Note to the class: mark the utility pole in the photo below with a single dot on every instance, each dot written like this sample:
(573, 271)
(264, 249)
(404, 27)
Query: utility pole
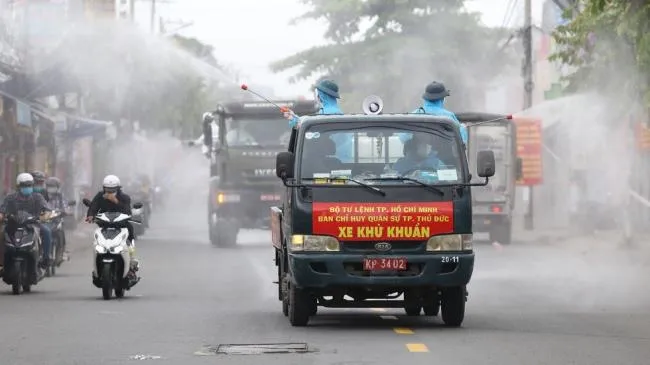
(529, 86)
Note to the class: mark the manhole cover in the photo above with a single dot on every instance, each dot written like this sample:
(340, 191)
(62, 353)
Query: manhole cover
(261, 348)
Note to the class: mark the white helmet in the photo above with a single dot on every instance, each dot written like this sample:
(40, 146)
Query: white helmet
(24, 179)
(111, 182)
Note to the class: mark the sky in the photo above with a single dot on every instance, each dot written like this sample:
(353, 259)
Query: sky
(250, 34)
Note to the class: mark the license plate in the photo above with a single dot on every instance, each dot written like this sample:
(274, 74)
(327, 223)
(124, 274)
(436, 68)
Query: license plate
(382, 264)
(481, 236)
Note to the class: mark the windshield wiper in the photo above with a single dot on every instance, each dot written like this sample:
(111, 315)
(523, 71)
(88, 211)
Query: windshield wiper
(401, 178)
(340, 178)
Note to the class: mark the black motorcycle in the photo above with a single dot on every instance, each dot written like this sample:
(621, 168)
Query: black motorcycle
(56, 224)
(22, 252)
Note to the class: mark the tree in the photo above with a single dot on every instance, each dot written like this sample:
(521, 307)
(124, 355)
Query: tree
(163, 86)
(406, 45)
(608, 44)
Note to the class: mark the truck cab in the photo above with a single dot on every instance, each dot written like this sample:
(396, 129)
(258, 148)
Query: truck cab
(241, 140)
(494, 203)
(390, 227)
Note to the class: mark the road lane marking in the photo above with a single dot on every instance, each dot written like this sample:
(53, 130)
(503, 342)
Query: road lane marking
(417, 347)
(393, 318)
(380, 310)
(403, 331)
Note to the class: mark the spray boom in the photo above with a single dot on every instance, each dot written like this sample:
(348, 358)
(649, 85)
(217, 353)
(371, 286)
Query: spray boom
(283, 109)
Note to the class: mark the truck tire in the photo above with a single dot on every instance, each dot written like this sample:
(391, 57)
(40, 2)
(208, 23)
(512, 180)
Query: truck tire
(431, 304)
(453, 305)
(502, 234)
(301, 306)
(223, 236)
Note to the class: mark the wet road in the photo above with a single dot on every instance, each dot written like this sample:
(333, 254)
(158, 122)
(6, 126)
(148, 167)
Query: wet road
(527, 305)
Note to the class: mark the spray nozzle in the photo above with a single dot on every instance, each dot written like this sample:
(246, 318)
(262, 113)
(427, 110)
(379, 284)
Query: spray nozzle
(244, 87)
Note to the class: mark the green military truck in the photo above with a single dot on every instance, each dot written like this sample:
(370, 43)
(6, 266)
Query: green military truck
(494, 203)
(241, 139)
(375, 228)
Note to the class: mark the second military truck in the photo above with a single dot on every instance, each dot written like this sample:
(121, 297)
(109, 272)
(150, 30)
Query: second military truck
(242, 140)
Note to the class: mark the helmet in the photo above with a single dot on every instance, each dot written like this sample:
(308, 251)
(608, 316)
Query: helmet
(39, 177)
(435, 91)
(111, 183)
(25, 179)
(53, 184)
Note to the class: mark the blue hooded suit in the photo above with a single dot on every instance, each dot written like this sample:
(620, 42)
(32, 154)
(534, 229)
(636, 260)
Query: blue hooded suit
(327, 92)
(433, 104)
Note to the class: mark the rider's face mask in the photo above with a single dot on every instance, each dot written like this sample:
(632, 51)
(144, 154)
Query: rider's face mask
(26, 190)
(319, 102)
(52, 190)
(39, 188)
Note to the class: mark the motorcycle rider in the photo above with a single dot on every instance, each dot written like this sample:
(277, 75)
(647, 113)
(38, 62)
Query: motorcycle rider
(26, 199)
(433, 101)
(327, 93)
(54, 197)
(39, 182)
(112, 199)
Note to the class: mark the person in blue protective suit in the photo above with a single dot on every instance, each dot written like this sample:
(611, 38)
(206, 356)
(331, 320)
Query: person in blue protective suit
(418, 155)
(433, 101)
(327, 93)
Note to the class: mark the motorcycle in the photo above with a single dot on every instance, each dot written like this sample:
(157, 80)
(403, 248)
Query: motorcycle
(112, 258)
(22, 252)
(56, 224)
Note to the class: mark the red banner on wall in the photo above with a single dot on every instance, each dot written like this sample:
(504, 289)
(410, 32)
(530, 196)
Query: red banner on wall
(529, 149)
(383, 221)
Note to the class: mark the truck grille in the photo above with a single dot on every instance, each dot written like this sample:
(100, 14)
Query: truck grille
(397, 246)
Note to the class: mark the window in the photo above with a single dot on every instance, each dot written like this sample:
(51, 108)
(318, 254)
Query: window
(255, 131)
(492, 138)
(381, 152)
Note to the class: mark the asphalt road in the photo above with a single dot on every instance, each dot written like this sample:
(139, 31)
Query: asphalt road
(528, 304)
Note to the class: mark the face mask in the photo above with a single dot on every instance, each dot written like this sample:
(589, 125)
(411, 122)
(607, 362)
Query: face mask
(52, 190)
(319, 102)
(27, 190)
(39, 189)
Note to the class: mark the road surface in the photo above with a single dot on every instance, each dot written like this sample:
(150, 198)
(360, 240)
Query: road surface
(528, 304)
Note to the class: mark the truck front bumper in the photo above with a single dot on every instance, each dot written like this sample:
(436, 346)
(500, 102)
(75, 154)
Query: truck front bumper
(330, 270)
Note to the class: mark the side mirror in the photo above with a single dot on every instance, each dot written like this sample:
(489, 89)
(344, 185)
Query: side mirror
(519, 168)
(72, 203)
(284, 163)
(86, 202)
(485, 164)
(137, 205)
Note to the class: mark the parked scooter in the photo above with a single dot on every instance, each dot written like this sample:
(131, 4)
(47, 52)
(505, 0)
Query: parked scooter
(112, 255)
(22, 252)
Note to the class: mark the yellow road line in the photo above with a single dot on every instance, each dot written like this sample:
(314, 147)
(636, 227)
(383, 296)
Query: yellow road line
(403, 331)
(417, 347)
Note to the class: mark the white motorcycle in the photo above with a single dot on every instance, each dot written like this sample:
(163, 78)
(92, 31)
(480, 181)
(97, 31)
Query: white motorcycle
(112, 258)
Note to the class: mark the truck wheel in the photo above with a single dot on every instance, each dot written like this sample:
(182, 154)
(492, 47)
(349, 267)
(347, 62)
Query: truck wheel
(412, 305)
(502, 234)
(300, 306)
(224, 236)
(453, 306)
(431, 305)
(284, 284)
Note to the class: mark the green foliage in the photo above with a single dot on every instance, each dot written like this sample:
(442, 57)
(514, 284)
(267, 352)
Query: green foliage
(393, 48)
(608, 43)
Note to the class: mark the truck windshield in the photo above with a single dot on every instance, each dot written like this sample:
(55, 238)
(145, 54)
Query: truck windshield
(381, 152)
(493, 138)
(257, 131)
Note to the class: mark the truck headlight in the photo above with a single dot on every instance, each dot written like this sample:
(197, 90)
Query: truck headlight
(451, 242)
(301, 242)
(227, 198)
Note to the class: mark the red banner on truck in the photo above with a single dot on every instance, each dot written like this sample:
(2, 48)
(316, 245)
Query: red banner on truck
(382, 221)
